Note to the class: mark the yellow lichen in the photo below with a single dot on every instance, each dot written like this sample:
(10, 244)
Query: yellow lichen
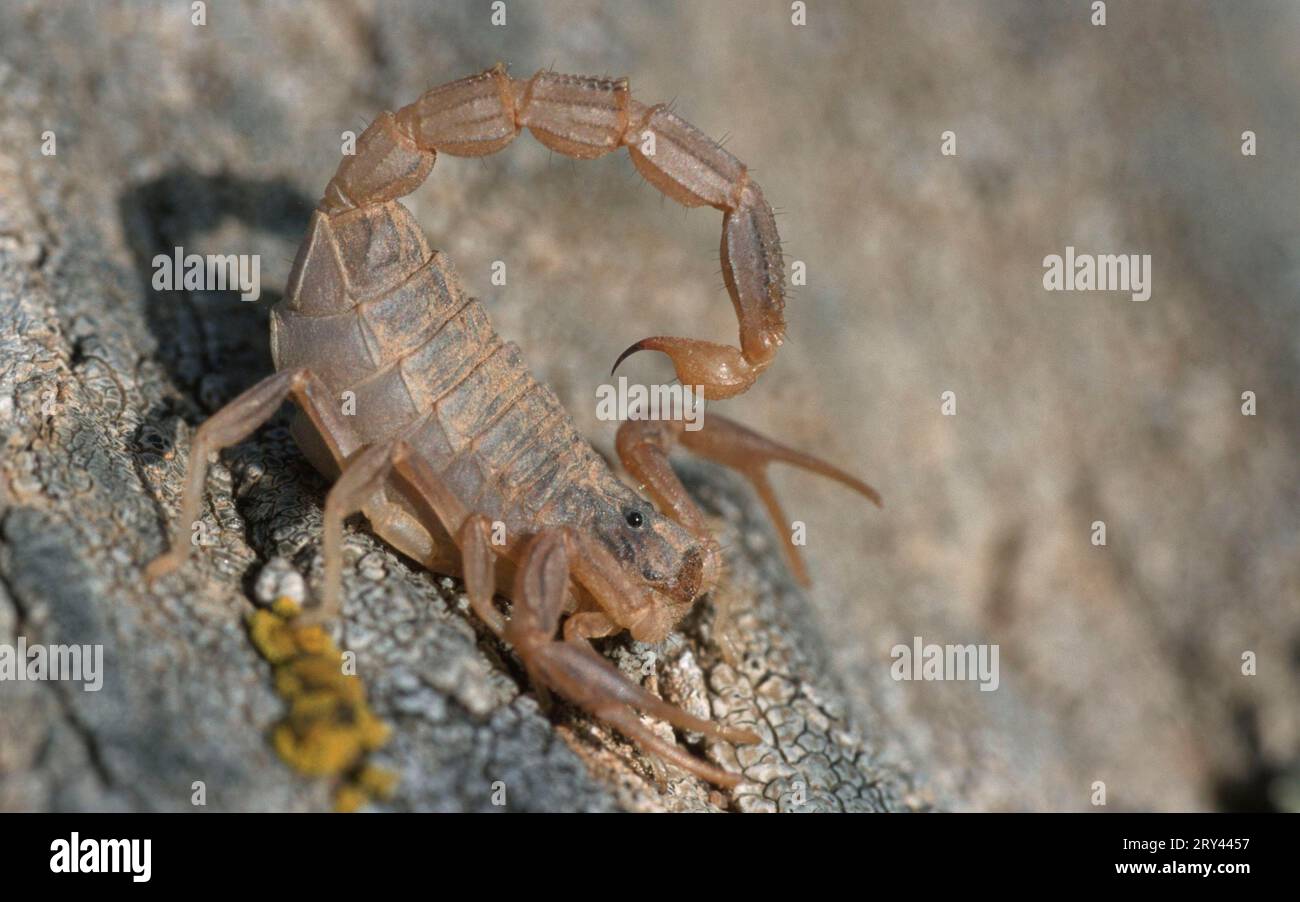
(272, 637)
(330, 729)
(369, 782)
(319, 750)
(348, 798)
(286, 608)
(313, 640)
(377, 782)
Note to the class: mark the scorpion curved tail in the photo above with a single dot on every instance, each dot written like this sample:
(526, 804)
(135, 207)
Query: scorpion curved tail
(586, 117)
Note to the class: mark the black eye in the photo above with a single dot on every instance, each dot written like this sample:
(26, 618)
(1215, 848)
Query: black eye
(634, 519)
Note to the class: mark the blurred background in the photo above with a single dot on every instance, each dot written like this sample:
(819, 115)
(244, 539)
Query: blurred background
(1120, 664)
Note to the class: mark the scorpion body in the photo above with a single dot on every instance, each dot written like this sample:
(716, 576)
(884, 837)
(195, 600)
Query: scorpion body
(451, 435)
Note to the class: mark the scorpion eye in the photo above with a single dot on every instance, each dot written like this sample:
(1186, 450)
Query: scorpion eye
(634, 519)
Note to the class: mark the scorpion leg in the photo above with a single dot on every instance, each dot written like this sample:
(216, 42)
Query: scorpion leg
(234, 423)
(479, 564)
(644, 445)
(472, 534)
(363, 476)
(586, 625)
(574, 669)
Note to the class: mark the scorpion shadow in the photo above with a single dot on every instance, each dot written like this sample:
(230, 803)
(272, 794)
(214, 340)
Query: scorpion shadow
(211, 343)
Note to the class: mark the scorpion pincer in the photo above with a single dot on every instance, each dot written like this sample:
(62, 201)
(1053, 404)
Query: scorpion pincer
(451, 433)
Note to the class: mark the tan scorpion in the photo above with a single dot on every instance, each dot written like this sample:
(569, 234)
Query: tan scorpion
(451, 433)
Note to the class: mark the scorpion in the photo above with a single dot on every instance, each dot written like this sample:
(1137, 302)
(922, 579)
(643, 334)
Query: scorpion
(451, 434)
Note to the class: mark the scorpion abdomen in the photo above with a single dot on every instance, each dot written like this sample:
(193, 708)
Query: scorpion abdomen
(410, 355)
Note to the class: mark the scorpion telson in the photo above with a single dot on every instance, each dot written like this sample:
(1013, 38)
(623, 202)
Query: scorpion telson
(452, 435)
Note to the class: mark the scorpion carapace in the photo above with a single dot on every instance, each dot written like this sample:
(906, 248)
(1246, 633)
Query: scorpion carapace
(457, 456)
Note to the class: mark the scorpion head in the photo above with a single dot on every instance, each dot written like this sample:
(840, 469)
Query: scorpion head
(658, 567)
